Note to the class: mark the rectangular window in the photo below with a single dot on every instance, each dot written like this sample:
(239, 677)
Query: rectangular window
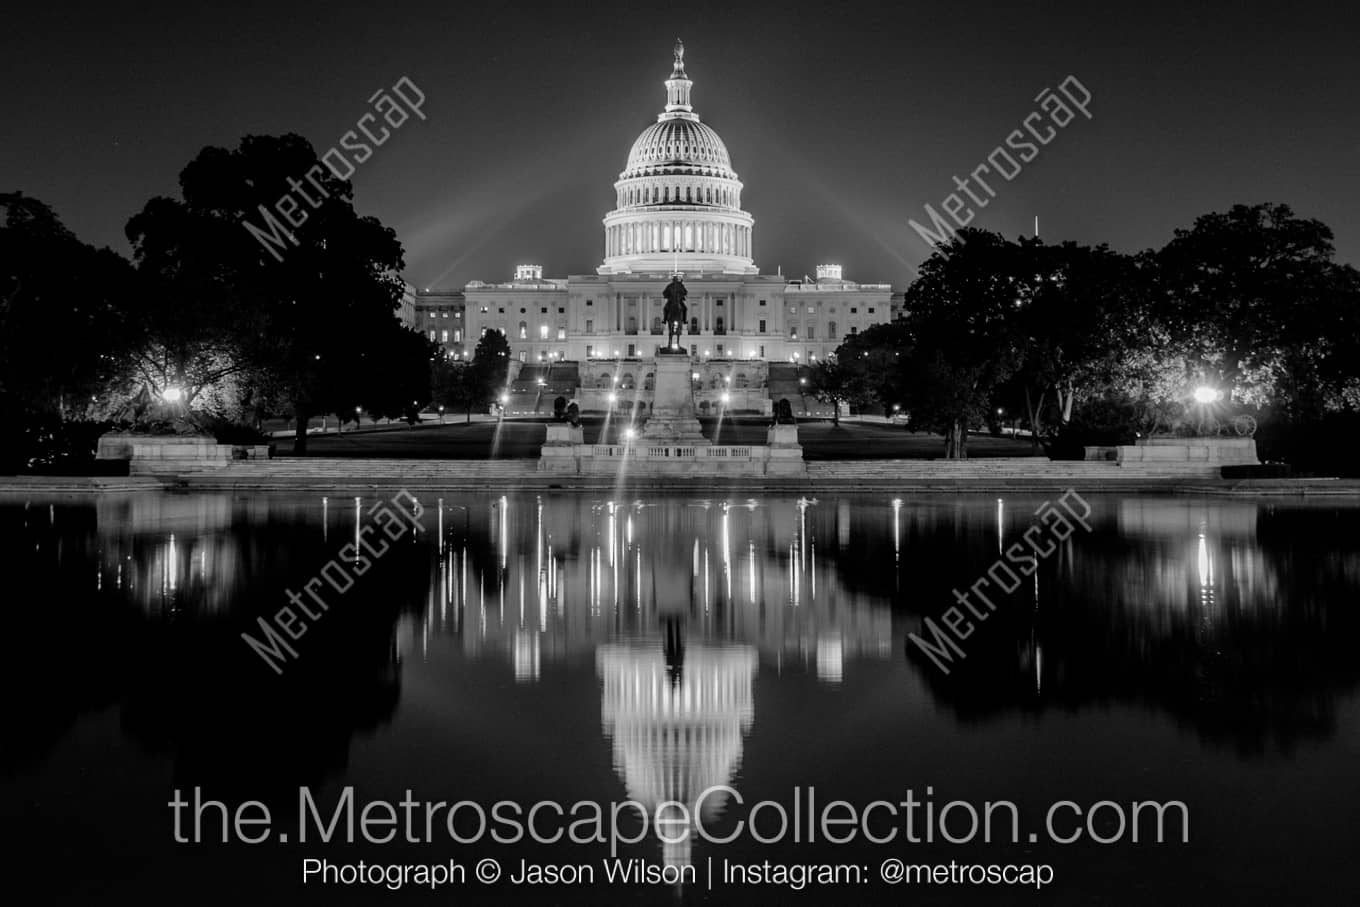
(853, 329)
(542, 332)
(762, 352)
(762, 325)
(720, 349)
(458, 336)
(502, 310)
(718, 303)
(632, 351)
(443, 336)
(561, 333)
(762, 302)
(811, 310)
(871, 310)
(431, 333)
(812, 332)
(563, 311)
(590, 326)
(590, 302)
(443, 314)
(854, 311)
(693, 349)
(543, 310)
(590, 352)
(483, 310)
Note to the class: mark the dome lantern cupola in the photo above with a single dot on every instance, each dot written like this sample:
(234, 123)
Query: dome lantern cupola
(678, 85)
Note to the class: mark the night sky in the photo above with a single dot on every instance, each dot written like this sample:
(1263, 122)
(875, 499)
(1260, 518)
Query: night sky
(843, 120)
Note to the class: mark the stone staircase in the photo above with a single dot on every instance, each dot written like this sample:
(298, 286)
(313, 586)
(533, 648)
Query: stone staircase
(783, 384)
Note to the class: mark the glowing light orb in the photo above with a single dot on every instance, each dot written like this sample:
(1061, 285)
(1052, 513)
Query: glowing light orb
(1207, 394)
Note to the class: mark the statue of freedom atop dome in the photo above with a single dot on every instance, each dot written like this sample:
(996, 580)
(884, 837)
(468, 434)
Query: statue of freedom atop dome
(675, 312)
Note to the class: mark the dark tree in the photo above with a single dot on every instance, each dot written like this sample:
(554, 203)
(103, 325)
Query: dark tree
(63, 312)
(490, 368)
(963, 346)
(266, 233)
(830, 382)
(1256, 302)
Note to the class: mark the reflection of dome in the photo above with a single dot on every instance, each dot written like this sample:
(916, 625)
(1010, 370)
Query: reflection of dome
(678, 202)
(676, 735)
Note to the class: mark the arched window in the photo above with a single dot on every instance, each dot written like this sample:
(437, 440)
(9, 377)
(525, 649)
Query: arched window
(648, 380)
(604, 380)
(741, 380)
(626, 382)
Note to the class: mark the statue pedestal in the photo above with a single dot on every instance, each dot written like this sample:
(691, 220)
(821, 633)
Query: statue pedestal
(673, 420)
(561, 448)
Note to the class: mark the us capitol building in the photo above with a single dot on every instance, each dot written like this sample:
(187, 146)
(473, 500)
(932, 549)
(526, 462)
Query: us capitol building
(678, 210)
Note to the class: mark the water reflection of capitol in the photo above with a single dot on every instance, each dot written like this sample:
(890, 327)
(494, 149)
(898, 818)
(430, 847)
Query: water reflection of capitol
(679, 605)
(572, 575)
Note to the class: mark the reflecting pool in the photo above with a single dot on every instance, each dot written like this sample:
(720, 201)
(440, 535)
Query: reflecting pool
(752, 659)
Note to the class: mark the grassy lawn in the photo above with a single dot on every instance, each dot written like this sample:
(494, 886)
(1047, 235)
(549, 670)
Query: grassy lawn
(523, 437)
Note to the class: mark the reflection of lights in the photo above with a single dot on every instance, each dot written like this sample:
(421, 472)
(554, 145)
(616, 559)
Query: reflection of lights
(629, 433)
(830, 659)
(172, 394)
(528, 657)
(1205, 565)
(613, 398)
(1000, 522)
(726, 397)
(897, 518)
(172, 565)
(1206, 394)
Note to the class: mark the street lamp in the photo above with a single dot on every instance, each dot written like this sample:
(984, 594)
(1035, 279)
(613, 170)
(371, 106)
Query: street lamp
(1205, 395)
(172, 394)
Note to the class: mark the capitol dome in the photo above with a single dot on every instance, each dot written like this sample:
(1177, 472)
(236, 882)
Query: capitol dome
(678, 198)
(678, 146)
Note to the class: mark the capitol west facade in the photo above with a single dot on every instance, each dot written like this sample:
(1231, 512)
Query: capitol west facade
(678, 209)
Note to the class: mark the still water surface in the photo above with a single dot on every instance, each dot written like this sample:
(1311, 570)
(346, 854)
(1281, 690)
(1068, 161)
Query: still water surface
(575, 648)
